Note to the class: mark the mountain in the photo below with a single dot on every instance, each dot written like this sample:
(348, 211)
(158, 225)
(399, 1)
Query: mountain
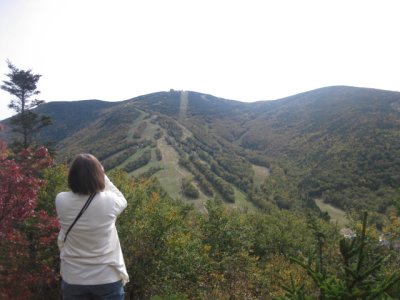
(339, 144)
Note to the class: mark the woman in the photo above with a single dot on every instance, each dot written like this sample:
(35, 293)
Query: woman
(92, 264)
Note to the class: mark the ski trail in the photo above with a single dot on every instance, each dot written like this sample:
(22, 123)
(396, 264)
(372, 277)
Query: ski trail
(183, 105)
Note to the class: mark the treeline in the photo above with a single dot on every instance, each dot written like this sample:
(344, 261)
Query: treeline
(226, 190)
(208, 164)
(113, 149)
(227, 164)
(198, 176)
(234, 169)
(139, 162)
(202, 174)
(150, 172)
(171, 126)
(122, 152)
(116, 160)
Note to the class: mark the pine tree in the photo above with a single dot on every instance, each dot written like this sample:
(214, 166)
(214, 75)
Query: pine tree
(23, 86)
(359, 275)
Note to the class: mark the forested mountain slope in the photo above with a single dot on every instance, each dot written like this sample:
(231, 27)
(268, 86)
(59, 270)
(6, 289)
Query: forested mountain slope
(343, 140)
(338, 143)
(69, 117)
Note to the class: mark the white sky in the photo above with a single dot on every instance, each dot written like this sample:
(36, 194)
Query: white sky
(242, 50)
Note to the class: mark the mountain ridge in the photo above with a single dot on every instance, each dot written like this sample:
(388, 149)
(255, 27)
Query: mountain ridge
(337, 143)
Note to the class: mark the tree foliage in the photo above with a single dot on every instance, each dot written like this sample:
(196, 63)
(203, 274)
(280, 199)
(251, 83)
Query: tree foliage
(358, 276)
(27, 232)
(23, 85)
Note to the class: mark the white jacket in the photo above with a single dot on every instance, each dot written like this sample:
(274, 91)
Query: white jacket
(92, 252)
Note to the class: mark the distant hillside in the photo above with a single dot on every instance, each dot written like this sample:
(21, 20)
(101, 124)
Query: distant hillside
(343, 140)
(71, 116)
(339, 144)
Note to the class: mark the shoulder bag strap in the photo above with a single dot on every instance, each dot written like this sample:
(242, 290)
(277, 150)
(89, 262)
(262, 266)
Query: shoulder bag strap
(88, 201)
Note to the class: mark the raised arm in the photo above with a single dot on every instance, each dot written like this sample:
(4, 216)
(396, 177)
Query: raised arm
(118, 197)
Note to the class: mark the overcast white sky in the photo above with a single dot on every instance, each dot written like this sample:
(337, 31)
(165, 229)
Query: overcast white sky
(242, 50)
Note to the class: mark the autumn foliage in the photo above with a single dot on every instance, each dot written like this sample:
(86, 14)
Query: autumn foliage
(172, 250)
(25, 231)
